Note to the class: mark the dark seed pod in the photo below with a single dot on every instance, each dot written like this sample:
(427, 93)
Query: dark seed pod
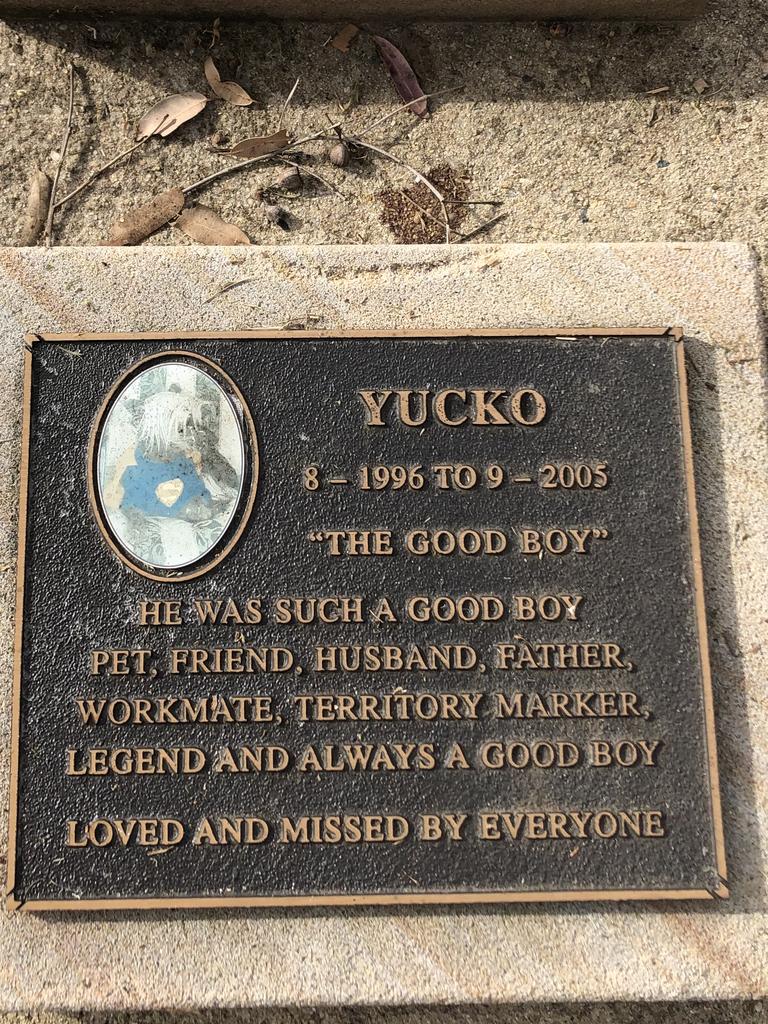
(339, 154)
(290, 180)
(277, 215)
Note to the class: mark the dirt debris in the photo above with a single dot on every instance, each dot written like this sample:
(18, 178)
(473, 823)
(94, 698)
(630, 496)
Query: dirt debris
(547, 123)
(413, 215)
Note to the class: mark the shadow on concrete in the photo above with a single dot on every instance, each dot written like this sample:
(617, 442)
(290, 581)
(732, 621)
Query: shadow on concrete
(580, 61)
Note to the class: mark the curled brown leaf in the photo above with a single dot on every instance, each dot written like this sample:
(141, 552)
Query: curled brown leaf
(403, 76)
(144, 220)
(204, 225)
(343, 39)
(261, 145)
(229, 91)
(167, 115)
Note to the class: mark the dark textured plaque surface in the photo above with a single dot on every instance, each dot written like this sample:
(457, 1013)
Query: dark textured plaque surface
(612, 400)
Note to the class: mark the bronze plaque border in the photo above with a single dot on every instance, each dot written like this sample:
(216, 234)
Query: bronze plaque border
(372, 899)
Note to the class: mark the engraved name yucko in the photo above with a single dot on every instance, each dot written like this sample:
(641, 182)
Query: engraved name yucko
(454, 407)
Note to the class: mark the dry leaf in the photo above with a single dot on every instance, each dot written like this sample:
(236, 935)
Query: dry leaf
(166, 116)
(262, 145)
(700, 85)
(402, 74)
(143, 221)
(492, 260)
(343, 39)
(204, 225)
(37, 207)
(229, 91)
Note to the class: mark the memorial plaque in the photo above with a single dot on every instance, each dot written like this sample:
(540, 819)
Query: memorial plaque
(360, 619)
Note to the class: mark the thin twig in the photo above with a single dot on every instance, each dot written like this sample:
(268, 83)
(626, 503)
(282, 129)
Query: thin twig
(229, 287)
(459, 234)
(222, 172)
(62, 157)
(100, 171)
(421, 209)
(483, 227)
(385, 117)
(426, 213)
(332, 127)
(303, 169)
(250, 162)
(71, 352)
(474, 202)
(419, 177)
(287, 103)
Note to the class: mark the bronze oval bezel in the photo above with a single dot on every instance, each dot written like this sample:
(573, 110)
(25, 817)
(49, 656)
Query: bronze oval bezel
(244, 508)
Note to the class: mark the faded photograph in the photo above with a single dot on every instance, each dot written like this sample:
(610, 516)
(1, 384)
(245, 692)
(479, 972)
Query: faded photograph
(170, 465)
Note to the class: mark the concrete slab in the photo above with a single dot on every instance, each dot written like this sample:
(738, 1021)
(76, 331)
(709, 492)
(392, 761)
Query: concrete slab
(187, 961)
(333, 10)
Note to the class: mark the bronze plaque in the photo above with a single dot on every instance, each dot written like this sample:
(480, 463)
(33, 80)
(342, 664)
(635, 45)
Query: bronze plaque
(356, 618)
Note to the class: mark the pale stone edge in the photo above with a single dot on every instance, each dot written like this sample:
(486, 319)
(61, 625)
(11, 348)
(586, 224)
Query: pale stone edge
(411, 956)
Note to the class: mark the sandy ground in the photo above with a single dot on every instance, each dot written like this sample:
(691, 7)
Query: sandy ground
(588, 133)
(559, 127)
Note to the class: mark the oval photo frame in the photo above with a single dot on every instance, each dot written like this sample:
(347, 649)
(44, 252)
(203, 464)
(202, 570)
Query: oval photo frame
(164, 438)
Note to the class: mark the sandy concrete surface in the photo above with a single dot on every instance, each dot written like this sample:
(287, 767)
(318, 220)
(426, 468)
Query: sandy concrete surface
(384, 955)
(559, 127)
